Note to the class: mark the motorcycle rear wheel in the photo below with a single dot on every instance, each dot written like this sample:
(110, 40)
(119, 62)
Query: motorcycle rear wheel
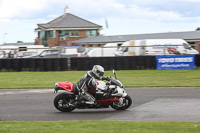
(127, 101)
(61, 102)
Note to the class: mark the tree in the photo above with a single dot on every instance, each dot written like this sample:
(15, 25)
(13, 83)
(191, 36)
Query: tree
(198, 28)
(20, 42)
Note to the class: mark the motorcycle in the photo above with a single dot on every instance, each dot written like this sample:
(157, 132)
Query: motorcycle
(111, 94)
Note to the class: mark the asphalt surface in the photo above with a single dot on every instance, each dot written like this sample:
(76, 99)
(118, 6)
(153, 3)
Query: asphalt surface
(149, 104)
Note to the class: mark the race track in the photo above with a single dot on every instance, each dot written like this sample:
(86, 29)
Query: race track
(149, 104)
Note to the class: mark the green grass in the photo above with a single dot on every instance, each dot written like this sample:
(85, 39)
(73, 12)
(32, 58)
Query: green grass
(130, 78)
(99, 127)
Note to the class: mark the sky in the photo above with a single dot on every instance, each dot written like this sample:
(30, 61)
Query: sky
(19, 18)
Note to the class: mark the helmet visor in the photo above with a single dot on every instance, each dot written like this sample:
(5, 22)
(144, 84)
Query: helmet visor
(100, 73)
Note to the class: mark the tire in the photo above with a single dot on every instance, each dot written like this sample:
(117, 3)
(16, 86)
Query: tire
(127, 101)
(61, 102)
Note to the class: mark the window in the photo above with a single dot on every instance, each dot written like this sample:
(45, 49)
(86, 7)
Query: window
(91, 33)
(42, 34)
(49, 52)
(186, 46)
(60, 33)
(74, 33)
(126, 49)
(81, 50)
(63, 33)
(22, 48)
(67, 33)
(51, 34)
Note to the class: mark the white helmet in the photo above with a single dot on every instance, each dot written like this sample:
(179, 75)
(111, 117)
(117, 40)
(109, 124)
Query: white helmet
(98, 71)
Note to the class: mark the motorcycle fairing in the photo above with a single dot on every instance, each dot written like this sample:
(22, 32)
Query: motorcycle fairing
(107, 101)
(68, 86)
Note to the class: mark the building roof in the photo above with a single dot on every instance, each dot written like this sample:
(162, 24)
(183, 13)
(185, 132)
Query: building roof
(189, 35)
(69, 20)
(18, 44)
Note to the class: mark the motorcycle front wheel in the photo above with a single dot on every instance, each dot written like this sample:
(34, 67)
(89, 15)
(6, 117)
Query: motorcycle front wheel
(122, 104)
(61, 102)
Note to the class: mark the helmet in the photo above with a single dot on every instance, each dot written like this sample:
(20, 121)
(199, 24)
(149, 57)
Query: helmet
(98, 71)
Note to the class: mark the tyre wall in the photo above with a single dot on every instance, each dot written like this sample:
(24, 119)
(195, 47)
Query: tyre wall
(117, 63)
(82, 63)
(34, 64)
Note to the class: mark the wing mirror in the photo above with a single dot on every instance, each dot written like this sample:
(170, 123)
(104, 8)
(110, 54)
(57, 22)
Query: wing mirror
(114, 72)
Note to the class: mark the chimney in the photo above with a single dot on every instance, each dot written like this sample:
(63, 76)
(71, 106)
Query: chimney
(66, 9)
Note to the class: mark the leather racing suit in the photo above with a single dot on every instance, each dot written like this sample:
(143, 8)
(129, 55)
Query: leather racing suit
(86, 82)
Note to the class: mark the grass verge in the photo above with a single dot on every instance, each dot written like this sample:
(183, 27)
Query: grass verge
(99, 127)
(130, 78)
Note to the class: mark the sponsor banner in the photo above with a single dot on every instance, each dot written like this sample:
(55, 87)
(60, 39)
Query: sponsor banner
(177, 62)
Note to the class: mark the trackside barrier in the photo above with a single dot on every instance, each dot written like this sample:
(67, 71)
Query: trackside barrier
(197, 60)
(82, 63)
(117, 63)
(34, 64)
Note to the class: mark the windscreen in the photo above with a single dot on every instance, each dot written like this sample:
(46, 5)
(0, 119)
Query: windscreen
(115, 82)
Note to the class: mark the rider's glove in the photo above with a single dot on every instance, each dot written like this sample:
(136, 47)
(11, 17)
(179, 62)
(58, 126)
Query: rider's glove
(106, 78)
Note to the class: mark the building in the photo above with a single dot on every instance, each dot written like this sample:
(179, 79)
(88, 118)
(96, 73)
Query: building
(192, 37)
(70, 30)
(64, 30)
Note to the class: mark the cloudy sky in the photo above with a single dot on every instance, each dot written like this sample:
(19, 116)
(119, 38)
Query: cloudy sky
(19, 18)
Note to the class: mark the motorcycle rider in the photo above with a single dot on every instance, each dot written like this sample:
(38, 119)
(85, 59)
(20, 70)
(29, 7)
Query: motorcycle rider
(88, 81)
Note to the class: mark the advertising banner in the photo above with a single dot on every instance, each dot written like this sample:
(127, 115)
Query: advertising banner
(175, 62)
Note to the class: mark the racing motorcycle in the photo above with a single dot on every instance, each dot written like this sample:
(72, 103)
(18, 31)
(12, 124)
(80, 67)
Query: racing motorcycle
(110, 94)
